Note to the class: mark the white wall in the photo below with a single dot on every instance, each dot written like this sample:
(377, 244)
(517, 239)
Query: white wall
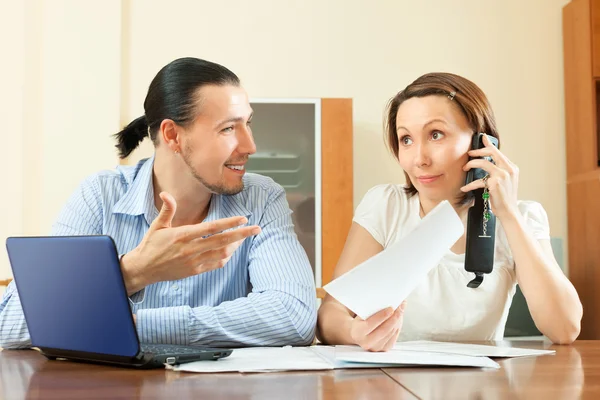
(334, 48)
(60, 80)
(11, 130)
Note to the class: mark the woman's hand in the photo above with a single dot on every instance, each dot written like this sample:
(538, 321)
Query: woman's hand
(380, 331)
(503, 180)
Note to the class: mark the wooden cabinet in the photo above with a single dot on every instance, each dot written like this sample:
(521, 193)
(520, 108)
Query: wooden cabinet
(581, 42)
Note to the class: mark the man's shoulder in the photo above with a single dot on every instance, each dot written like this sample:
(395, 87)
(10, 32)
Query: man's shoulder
(259, 191)
(256, 183)
(121, 177)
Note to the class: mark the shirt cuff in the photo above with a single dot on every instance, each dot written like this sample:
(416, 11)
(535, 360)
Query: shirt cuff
(139, 296)
(168, 325)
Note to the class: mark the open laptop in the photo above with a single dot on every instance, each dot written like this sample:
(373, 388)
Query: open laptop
(76, 305)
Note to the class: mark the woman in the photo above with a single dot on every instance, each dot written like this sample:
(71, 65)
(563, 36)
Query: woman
(429, 127)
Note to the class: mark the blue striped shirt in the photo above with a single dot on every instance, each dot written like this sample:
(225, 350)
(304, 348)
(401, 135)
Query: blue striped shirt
(264, 296)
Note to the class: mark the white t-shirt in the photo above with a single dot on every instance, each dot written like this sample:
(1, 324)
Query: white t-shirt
(442, 307)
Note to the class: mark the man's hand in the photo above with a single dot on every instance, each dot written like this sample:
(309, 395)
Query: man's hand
(168, 253)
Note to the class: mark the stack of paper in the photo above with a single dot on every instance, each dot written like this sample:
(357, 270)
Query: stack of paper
(355, 357)
(261, 359)
(270, 359)
(406, 354)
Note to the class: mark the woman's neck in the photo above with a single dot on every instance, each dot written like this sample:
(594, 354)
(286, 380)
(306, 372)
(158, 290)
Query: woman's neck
(427, 204)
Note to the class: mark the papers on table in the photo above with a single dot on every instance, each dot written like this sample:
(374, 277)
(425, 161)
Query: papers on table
(261, 359)
(468, 349)
(271, 359)
(404, 354)
(387, 278)
(353, 354)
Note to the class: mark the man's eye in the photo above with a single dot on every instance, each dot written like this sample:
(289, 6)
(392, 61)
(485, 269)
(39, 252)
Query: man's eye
(228, 129)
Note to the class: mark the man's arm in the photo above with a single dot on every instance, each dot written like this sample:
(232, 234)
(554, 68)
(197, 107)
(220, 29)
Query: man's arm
(281, 310)
(82, 215)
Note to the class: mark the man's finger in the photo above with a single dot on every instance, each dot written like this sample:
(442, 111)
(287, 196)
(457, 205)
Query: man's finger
(215, 255)
(166, 214)
(226, 238)
(203, 229)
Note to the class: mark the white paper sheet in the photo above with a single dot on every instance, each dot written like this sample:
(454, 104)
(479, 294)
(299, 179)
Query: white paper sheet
(396, 358)
(387, 278)
(329, 352)
(274, 359)
(263, 359)
(468, 349)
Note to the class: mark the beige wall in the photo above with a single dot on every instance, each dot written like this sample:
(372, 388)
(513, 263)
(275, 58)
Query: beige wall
(78, 69)
(11, 131)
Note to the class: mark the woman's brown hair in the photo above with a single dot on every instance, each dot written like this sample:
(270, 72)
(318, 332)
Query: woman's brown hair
(469, 98)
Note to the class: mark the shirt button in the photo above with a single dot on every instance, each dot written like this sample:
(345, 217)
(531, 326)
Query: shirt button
(174, 287)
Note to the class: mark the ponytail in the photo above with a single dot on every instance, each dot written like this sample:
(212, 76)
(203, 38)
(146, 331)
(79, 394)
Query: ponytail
(131, 136)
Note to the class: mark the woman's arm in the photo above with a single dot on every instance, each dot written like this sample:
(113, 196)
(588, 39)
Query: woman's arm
(552, 300)
(338, 325)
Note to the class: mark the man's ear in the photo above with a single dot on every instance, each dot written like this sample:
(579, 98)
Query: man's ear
(169, 131)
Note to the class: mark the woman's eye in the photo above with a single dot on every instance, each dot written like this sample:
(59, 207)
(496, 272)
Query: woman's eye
(405, 140)
(437, 135)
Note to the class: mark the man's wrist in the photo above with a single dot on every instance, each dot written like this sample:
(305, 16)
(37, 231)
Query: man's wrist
(133, 281)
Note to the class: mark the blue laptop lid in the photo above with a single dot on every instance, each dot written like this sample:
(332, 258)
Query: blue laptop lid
(72, 293)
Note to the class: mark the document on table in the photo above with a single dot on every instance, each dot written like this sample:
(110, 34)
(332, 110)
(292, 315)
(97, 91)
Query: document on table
(261, 359)
(469, 349)
(387, 278)
(272, 359)
(354, 354)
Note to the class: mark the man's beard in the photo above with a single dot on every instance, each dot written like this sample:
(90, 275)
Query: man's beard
(219, 188)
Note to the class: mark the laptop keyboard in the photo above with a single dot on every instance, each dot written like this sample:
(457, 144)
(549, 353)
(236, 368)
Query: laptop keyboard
(159, 349)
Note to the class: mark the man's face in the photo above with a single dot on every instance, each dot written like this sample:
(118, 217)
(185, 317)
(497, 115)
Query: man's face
(217, 144)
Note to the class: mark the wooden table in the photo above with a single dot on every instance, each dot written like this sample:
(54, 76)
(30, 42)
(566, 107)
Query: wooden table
(573, 372)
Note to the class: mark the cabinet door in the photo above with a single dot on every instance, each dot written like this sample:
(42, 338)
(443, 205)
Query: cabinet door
(593, 25)
(287, 136)
(580, 118)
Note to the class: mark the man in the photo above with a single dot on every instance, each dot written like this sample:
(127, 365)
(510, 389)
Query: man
(220, 264)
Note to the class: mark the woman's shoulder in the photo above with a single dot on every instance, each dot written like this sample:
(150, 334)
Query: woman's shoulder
(536, 221)
(383, 211)
(530, 206)
(385, 193)
(535, 217)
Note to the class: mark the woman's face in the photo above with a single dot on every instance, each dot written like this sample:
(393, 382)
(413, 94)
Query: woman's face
(433, 139)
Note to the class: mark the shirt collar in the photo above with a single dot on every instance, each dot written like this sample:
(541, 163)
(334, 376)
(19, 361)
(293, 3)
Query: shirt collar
(139, 198)
(225, 206)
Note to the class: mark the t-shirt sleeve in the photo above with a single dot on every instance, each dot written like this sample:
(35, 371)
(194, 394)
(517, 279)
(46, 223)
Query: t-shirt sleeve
(536, 219)
(376, 212)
